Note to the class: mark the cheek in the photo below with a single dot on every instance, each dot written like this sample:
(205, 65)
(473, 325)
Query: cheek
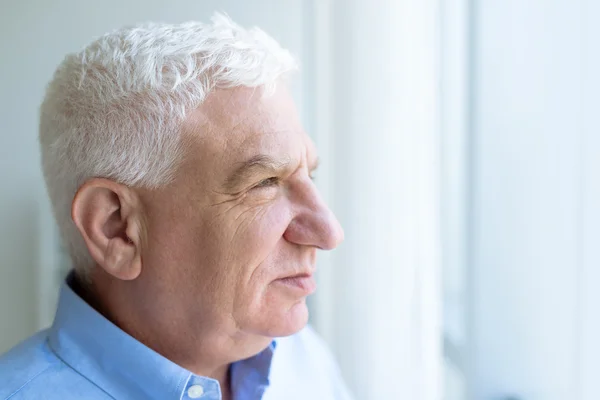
(258, 236)
(259, 251)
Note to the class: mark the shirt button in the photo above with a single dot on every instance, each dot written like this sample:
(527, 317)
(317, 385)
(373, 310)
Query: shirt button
(195, 391)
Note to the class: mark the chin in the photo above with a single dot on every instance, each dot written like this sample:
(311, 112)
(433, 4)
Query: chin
(288, 321)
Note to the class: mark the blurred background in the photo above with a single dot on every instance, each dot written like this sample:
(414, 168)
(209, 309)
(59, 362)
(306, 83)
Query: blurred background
(461, 151)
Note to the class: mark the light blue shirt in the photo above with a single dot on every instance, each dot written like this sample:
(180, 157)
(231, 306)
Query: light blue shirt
(85, 356)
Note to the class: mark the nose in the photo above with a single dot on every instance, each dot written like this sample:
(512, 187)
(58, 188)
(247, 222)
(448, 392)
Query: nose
(313, 224)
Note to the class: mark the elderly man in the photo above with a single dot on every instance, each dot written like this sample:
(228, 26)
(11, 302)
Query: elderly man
(181, 179)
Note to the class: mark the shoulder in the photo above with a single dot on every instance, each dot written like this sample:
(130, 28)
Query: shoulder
(23, 363)
(304, 361)
(32, 370)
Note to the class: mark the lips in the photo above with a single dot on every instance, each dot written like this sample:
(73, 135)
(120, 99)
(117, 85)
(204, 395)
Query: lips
(302, 284)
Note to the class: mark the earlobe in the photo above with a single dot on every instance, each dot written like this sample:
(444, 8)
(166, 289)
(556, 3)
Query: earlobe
(106, 215)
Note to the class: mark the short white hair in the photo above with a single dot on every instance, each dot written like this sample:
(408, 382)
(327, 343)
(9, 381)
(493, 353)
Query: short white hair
(115, 109)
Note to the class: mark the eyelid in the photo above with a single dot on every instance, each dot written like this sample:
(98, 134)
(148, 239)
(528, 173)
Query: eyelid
(273, 180)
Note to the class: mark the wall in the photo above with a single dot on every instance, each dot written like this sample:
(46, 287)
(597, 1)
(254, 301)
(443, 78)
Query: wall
(34, 37)
(535, 191)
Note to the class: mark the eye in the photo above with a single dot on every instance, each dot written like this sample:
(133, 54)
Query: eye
(273, 181)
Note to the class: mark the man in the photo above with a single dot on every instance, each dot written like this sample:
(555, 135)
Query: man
(180, 177)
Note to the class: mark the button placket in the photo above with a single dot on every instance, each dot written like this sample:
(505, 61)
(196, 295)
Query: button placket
(203, 388)
(195, 391)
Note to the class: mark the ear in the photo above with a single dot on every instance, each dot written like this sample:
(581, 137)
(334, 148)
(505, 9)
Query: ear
(109, 217)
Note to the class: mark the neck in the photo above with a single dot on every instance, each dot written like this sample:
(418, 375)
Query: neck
(222, 374)
(204, 352)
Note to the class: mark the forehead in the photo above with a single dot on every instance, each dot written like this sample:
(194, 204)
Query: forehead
(239, 123)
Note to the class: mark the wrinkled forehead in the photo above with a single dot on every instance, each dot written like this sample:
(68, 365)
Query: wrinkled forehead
(238, 123)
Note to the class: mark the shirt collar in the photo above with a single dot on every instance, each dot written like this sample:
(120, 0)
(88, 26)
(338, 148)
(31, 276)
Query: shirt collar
(125, 368)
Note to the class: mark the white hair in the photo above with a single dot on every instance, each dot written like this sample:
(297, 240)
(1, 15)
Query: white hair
(115, 109)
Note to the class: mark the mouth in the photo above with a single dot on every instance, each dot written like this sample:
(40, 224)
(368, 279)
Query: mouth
(302, 284)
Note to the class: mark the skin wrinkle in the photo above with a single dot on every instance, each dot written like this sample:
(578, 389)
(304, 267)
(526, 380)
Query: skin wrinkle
(256, 166)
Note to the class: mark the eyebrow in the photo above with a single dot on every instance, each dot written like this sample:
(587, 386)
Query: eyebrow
(260, 163)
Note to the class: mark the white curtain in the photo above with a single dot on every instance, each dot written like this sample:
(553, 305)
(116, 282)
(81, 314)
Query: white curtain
(376, 95)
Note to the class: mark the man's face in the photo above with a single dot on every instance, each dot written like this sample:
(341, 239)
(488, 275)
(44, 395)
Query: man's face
(242, 216)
